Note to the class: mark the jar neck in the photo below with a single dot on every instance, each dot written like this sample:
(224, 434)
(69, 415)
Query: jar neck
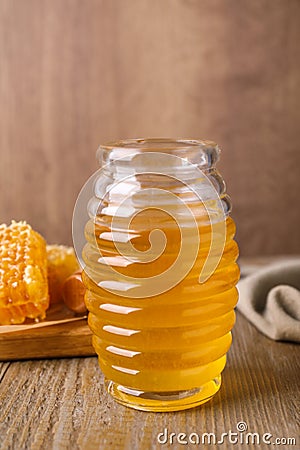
(137, 174)
(169, 155)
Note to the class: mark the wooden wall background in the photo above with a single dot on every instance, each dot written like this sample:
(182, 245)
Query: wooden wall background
(77, 73)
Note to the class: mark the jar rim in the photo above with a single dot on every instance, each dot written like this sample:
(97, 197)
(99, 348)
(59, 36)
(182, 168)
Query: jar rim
(164, 145)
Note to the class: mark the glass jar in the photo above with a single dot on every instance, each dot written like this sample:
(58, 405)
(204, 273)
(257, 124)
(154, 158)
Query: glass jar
(160, 271)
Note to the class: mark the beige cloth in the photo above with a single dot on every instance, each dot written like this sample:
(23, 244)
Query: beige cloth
(270, 300)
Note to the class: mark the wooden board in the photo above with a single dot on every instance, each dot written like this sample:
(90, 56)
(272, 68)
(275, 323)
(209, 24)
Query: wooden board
(62, 340)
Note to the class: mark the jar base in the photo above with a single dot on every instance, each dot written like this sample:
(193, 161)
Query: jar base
(163, 401)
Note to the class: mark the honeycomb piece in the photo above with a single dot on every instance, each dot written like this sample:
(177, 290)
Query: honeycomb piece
(62, 263)
(73, 293)
(23, 274)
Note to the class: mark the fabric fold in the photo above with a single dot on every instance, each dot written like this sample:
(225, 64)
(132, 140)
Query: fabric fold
(270, 300)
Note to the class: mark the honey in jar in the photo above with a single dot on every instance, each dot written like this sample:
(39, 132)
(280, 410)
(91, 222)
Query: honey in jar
(160, 272)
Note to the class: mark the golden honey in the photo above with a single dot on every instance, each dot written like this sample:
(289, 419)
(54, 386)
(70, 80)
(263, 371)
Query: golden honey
(166, 351)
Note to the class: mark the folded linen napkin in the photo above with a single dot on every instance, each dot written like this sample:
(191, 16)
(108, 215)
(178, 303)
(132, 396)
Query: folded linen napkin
(270, 300)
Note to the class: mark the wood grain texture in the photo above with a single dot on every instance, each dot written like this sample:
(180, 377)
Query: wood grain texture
(76, 74)
(62, 404)
(62, 340)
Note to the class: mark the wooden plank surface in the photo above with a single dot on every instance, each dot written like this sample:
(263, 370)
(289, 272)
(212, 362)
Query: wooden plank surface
(62, 404)
(76, 73)
(63, 340)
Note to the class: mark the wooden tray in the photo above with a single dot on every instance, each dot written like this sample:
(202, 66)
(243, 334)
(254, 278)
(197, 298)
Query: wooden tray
(55, 341)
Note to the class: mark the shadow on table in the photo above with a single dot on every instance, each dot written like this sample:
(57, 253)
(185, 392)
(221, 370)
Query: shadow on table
(262, 380)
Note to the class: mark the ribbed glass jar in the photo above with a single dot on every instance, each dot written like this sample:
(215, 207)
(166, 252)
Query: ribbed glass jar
(160, 271)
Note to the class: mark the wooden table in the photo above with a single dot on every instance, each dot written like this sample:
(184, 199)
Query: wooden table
(62, 404)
